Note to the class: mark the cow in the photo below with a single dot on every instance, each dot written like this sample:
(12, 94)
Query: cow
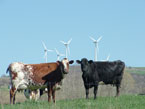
(37, 76)
(107, 72)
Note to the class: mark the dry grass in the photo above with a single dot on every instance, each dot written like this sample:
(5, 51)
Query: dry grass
(4, 96)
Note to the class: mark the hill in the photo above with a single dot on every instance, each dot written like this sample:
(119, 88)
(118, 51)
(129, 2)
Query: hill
(73, 88)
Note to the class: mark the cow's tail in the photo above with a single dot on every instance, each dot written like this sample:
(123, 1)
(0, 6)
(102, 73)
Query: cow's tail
(8, 69)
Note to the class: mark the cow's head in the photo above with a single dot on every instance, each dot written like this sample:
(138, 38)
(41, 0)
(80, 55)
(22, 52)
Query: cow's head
(84, 64)
(64, 65)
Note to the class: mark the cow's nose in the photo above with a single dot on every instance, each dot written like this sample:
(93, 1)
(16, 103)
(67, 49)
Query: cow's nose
(66, 71)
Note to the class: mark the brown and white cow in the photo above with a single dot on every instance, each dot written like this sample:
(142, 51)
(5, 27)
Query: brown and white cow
(37, 76)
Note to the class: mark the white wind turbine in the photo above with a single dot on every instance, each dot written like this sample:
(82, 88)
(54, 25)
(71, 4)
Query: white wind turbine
(96, 46)
(58, 54)
(108, 57)
(67, 47)
(45, 51)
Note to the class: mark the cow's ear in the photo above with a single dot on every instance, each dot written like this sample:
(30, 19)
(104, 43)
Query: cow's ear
(58, 62)
(71, 62)
(90, 61)
(78, 61)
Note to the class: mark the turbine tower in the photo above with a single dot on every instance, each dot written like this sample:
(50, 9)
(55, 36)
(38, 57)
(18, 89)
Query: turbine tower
(96, 46)
(58, 54)
(45, 51)
(67, 47)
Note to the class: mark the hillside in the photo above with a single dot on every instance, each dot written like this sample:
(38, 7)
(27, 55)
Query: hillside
(136, 70)
(133, 83)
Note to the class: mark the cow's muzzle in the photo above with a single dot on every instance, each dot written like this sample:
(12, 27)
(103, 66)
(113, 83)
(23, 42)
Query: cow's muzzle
(66, 71)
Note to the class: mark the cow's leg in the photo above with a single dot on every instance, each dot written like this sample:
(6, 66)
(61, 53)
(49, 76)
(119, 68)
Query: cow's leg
(49, 93)
(14, 98)
(53, 95)
(87, 93)
(118, 83)
(95, 90)
(12, 95)
(117, 90)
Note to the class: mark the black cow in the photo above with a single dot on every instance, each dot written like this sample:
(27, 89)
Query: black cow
(108, 72)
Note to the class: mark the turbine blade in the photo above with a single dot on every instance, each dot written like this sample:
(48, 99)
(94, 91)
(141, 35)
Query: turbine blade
(49, 50)
(69, 41)
(44, 45)
(56, 51)
(99, 39)
(63, 42)
(92, 39)
(108, 57)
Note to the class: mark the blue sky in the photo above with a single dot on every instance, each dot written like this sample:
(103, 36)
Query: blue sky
(25, 23)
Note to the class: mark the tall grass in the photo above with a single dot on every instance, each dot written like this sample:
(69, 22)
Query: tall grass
(122, 102)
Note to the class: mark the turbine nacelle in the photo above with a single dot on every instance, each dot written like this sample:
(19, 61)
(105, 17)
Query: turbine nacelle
(58, 54)
(66, 44)
(96, 45)
(96, 41)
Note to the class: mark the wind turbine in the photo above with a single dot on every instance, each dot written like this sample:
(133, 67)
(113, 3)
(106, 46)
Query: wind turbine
(67, 46)
(45, 51)
(96, 46)
(108, 57)
(58, 54)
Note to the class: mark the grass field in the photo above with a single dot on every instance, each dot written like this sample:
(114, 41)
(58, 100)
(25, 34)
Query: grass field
(136, 70)
(73, 89)
(122, 102)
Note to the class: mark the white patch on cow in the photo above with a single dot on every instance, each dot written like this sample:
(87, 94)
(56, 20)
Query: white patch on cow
(65, 62)
(22, 79)
(19, 83)
(46, 89)
(21, 75)
(17, 67)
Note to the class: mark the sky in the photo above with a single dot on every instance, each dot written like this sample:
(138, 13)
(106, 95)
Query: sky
(24, 24)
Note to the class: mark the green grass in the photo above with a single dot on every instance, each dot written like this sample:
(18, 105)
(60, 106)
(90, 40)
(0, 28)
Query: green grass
(122, 102)
(4, 88)
(137, 70)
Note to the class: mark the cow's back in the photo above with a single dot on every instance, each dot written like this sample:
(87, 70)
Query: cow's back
(28, 75)
(42, 70)
(107, 71)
